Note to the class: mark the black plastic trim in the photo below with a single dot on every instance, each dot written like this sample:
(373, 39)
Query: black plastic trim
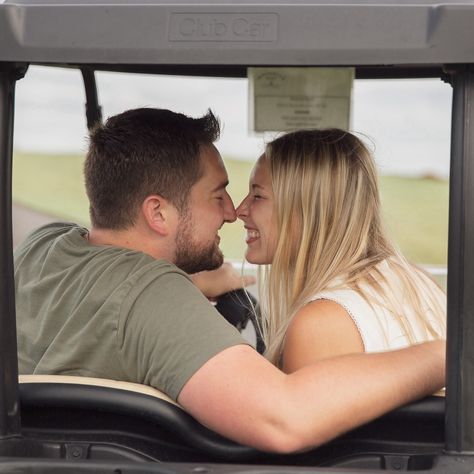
(123, 402)
(382, 71)
(9, 407)
(460, 348)
(93, 109)
(174, 420)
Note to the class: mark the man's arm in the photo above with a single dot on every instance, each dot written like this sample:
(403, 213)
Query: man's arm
(242, 396)
(215, 283)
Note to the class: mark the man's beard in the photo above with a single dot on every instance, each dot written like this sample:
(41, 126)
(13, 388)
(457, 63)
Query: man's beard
(191, 257)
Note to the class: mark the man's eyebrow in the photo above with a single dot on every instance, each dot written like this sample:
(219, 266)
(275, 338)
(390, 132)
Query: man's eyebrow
(220, 186)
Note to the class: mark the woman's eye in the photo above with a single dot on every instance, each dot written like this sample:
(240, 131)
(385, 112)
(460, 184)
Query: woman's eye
(257, 196)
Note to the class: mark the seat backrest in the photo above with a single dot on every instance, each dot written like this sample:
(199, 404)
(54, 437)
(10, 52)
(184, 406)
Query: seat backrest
(97, 382)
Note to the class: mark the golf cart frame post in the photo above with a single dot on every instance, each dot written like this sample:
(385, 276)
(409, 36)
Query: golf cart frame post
(460, 349)
(9, 399)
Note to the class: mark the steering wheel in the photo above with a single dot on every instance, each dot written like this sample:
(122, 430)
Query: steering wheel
(239, 307)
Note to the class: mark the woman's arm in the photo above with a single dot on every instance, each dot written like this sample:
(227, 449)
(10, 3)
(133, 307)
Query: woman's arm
(319, 330)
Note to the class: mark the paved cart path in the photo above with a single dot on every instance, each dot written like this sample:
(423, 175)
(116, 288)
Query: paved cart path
(25, 220)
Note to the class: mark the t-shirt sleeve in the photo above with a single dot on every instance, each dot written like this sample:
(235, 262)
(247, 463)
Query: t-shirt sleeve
(168, 330)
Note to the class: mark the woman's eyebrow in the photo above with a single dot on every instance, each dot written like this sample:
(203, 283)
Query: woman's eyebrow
(255, 186)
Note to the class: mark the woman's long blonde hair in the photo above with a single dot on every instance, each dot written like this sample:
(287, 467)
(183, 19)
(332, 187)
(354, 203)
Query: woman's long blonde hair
(330, 235)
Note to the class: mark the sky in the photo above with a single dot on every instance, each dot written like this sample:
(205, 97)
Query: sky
(405, 122)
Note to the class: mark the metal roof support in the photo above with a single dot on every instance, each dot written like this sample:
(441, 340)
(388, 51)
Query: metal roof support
(9, 404)
(93, 109)
(460, 350)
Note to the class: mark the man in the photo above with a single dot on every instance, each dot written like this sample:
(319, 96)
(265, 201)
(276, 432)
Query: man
(115, 301)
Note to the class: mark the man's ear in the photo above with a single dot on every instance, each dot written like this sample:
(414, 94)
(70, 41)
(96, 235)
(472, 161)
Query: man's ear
(159, 214)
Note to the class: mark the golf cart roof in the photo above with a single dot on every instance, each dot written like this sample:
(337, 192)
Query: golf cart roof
(125, 33)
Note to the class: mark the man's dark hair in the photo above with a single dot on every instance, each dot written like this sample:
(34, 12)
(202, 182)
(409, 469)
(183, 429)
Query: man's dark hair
(143, 152)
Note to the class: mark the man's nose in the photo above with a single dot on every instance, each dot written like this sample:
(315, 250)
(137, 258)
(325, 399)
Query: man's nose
(229, 211)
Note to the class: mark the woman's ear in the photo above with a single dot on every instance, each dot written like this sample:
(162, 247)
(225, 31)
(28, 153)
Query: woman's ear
(159, 214)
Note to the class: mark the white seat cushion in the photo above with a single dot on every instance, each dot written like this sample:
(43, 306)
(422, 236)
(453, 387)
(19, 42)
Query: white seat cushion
(117, 384)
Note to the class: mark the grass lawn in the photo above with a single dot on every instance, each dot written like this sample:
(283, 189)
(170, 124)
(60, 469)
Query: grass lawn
(416, 213)
(416, 210)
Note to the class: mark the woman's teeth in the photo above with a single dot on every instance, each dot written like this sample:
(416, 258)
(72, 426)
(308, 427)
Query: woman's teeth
(252, 234)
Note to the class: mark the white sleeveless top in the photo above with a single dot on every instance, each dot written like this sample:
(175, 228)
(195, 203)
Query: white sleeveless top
(379, 328)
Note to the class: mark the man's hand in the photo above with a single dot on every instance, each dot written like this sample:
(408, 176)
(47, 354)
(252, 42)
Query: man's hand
(217, 282)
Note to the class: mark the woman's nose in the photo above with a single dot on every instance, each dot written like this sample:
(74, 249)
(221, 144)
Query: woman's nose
(242, 209)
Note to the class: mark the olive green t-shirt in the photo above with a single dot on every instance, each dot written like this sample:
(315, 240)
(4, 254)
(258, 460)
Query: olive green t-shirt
(109, 312)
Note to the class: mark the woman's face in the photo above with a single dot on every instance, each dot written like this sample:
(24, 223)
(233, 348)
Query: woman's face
(256, 212)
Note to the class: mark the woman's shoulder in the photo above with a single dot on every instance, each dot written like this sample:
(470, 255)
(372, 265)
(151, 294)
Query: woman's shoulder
(357, 308)
(319, 330)
(366, 309)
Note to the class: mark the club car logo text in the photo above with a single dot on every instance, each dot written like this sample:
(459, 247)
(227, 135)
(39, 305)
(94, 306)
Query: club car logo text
(223, 27)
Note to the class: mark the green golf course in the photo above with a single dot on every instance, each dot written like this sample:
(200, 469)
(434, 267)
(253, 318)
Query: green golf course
(415, 209)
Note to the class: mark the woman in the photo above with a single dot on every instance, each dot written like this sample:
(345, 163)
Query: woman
(333, 281)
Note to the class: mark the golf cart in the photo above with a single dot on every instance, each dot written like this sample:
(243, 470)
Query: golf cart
(65, 425)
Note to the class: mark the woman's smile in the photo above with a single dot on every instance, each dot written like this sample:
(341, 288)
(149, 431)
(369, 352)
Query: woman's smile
(252, 236)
